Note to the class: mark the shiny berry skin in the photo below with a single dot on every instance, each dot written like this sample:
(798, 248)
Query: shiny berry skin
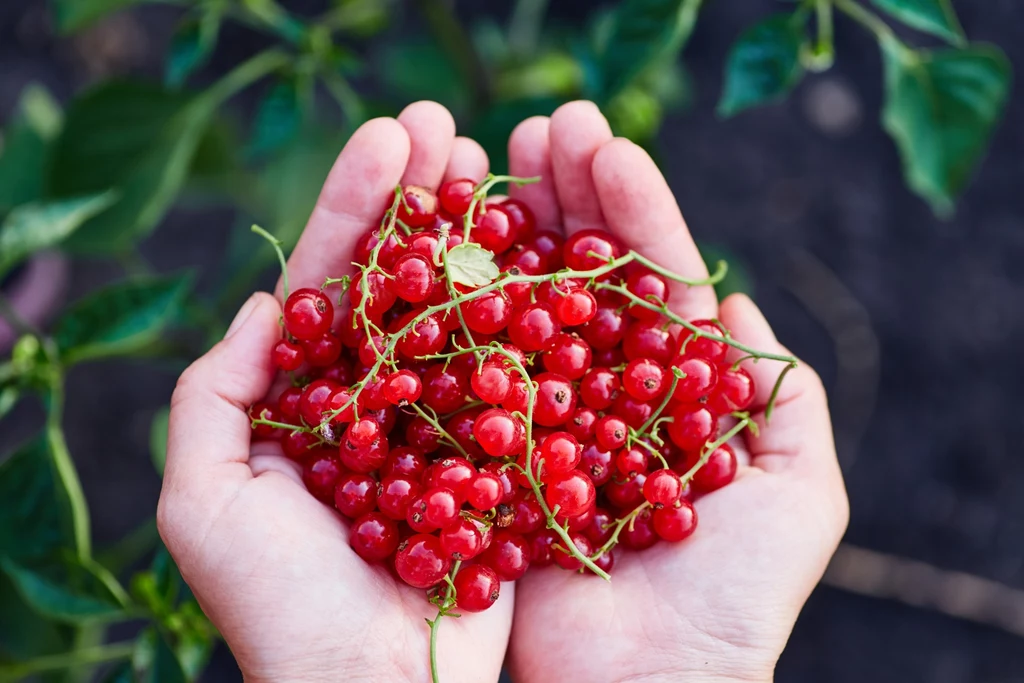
(341, 400)
(572, 492)
(675, 522)
(288, 403)
(444, 389)
(418, 207)
(606, 561)
(561, 452)
(320, 475)
(494, 230)
(297, 445)
(489, 313)
(308, 314)
(402, 387)
(648, 340)
(599, 387)
(630, 461)
(508, 485)
(719, 470)
(265, 411)
(484, 491)
(380, 297)
(414, 278)
(455, 196)
(355, 495)
(453, 473)
(627, 493)
(363, 432)
(734, 391)
(650, 287)
(404, 461)
(641, 535)
(581, 424)
(606, 329)
(703, 347)
(600, 528)
(476, 588)
(421, 561)
(596, 463)
(610, 432)
(314, 400)
(395, 494)
(556, 400)
(527, 513)
(568, 355)
(644, 379)
(692, 425)
(634, 411)
(662, 488)
(388, 254)
(498, 433)
(569, 562)
(701, 377)
(549, 245)
(541, 550)
(523, 221)
(426, 337)
(576, 308)
(508, 556)
(373, 536)
(578, 246)
(491, 382)
(323, 351)
(461, 539)
(442, 507)
(534, 327)
(422, 435)
(460, 428)
(288, 355)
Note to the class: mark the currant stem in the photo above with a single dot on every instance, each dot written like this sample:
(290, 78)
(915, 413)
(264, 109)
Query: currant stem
(447, 602)
(433, 422)
(276, 243)
(711, 447)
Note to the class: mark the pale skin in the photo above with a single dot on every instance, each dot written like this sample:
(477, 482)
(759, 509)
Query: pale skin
(272, 567)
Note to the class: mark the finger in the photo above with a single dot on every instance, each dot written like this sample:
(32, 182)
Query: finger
(468, 160)
(529, 155)
(578, 130)
(357, 192)
(798, 440)
(209, 430)
(431, 131)
(642, 212)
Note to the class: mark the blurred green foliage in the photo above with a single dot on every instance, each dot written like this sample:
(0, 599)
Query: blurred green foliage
(100, 175)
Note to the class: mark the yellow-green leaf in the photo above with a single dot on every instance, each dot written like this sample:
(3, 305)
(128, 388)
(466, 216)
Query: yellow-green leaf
(471, 265)
(931, 16)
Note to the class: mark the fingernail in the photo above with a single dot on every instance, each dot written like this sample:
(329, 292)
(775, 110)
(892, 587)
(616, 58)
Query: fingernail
(243, 314)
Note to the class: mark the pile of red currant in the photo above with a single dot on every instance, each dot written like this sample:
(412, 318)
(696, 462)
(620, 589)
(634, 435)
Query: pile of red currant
(485, 397)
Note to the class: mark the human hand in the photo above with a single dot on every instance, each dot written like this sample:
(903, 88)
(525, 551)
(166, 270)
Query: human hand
(721, 605)
(270, 565)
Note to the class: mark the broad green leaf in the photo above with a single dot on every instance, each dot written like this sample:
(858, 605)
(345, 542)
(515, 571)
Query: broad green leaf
(24, 633)
(278, 118)
(121, 319)
(191, 46)
(941, 108)
(641, 33)
(764, 64)
(158, 438)
(471, 265)
(25, 148)
(33, 227)
(931, 16)
(34, 522)
(56, 601)
(73, 15)
(154, 660)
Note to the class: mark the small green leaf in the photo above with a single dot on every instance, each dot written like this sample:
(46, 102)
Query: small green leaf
(120, 320)
(33, 522)
(154, 660)
(643, 32)
(191, 46)
(931, 16)
(471, 265)
(941, 108)
(158, 438)
(764, 64)
(25, 147)
(24, 633)
(278, 118)
(9, 396)
(55, 601)
(73, 15)
(33, 227)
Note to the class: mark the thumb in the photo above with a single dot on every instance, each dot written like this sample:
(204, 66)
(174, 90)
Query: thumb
(209, 430)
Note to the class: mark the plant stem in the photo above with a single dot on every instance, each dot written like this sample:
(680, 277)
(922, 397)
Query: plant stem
(276, 243)
(67, 660)
(866, 18)
(447, 603)
(711, 447)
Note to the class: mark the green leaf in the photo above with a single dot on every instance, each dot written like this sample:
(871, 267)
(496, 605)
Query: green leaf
(941, 108)
(158, 438)
(55, 601)
(73, 15)
(33, 521)
(24, 633)
(154, 660)
(931, 16)
(642, 32)
(25, 149)
(764, 64)
(191, 46)
(121, 319)
(278, 118)
(471, 265)
(33, 227)
(9, 396)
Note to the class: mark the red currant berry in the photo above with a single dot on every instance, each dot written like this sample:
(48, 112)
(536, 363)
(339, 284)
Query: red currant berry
(561, 452)
(630, 461)
(662, 488)
(596, 463)
(610, 431)
(508, 556)
(648, 340)
(355, 495)
(527, 515)
(264, 411)
(414, 278)
(599, 387)
(363, 432)
(650, 287)
(508, 486)
(700, 378)
(541, 550)
(719, 470)
(675, 522)
(581, 424)
(534, 327)
(569, 562)
(589, 249)
(606, 329)
(476, 588)
(364, 459)
(381, 295)
(456, 195)
(298, 444)
(627, 493)
(494, 230)
(577, 307)
(320, 475)
(498, 433)
(461, 539)
(600, 528)
(288, 355)
(418, 207)
(704, 347)
(556, 400)
(640, 535)
(308, 314)
(634, 411)
(692, 425)
(549, 245)
(523, 221)
(288, 403)
(422, 435)
(572, 492)
(395, 494)
(734, 391)
(644, 379)
(323, 351)
(374, 537)
(445, 390)
(568, 355)
(403, 387)
(453, 473)
(421, 561)
(315, 399)
(491, 383)
(484, 491)
(488, 313)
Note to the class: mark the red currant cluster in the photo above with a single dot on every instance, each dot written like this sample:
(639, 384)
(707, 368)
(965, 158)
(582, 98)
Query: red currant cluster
(488, 396)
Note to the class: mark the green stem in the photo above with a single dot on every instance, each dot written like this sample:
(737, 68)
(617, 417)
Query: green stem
(447, 603)
(433, 422)
(276, 243)
(67, 660)
(480, 193)
(244, 75)
(712, 447)
(865, 18)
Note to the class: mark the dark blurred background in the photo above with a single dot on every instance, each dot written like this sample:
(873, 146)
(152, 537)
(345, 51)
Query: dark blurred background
(914, 322)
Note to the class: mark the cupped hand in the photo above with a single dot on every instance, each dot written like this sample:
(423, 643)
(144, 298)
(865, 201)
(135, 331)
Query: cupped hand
(270, 565)
(720, 605)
